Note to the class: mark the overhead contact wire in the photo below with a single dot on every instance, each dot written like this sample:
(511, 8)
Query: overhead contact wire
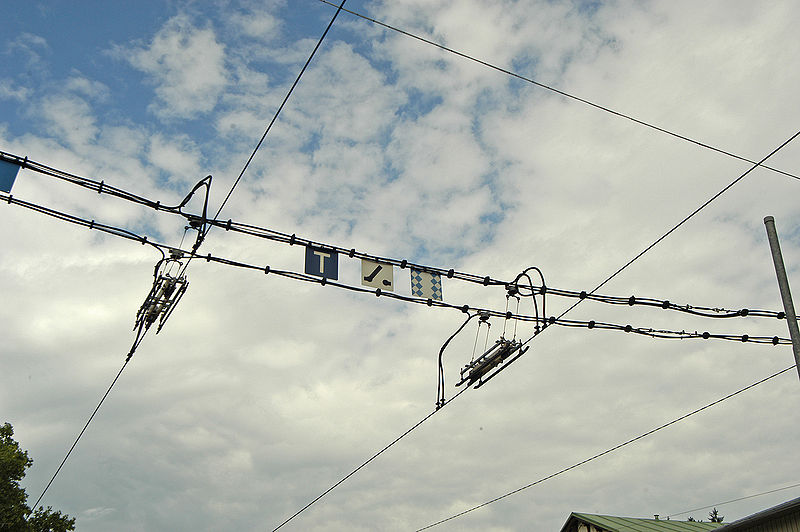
(756, 165)
(293, 239)
(552, 320)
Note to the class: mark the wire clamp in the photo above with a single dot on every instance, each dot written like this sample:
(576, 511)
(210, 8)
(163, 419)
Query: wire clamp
(169, 285)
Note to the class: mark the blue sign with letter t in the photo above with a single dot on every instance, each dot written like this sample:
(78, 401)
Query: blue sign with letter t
(322, 262)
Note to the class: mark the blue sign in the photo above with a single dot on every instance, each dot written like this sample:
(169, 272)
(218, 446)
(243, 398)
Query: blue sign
(8, 173)
(322, 262)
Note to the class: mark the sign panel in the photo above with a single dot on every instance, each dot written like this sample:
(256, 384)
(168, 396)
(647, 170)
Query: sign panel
(377, 275)
(8, 173)
(322, 262)
(427, 285)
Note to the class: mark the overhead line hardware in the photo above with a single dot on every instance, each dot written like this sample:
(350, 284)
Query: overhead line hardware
(293, 239)
(169, 285)
(502, 349)
(626, 265)
(552, 320)
(199, 221)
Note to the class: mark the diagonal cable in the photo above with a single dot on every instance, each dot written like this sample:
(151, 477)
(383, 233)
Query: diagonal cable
(690, 216)
(278, 112)
(373, 457)
(648, 248)
(136, 343)
(608, 451)
(559, 91)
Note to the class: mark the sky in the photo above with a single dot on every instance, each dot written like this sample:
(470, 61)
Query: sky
(261, 391)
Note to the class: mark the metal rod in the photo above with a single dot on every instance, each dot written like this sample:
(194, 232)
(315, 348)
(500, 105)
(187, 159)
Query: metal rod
(783, 286)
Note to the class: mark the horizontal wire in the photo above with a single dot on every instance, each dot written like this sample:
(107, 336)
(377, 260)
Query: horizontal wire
(608, 451)
(292, 239)
(96, 186)
(561, 92)
(266, 269)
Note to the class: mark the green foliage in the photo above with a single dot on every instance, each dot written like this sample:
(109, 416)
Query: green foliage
(714, 517)
(15, 514)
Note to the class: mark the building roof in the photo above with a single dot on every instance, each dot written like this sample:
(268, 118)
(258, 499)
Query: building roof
(769, 514)
(634, 524)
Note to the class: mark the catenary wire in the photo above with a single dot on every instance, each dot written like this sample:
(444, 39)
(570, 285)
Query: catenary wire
(143, 240)
(236, 183)
(485, 280)
(208, 257)
(373, 457)
(610, 450)
(651, 246)
(559, 91)
(572, 307)
(297, 276)
(101, 187)
(139, 339)
(280, 108)
(293, 239)
(580, 301)
(734, 500)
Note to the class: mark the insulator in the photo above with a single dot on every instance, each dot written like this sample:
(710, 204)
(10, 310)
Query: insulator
(494, 356)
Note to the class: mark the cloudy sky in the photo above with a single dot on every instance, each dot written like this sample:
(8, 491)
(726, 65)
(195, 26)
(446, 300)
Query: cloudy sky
(262, 391)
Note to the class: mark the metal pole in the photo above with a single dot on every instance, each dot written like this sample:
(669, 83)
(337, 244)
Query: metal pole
(783, 286)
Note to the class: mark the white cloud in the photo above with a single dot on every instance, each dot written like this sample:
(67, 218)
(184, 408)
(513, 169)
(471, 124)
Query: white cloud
(69, 118)
(187, 65)
(260, 25)
(261, 391)
(28, 48)
(178, 157)
(346, 98)
(89, 88)
(8, 90)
